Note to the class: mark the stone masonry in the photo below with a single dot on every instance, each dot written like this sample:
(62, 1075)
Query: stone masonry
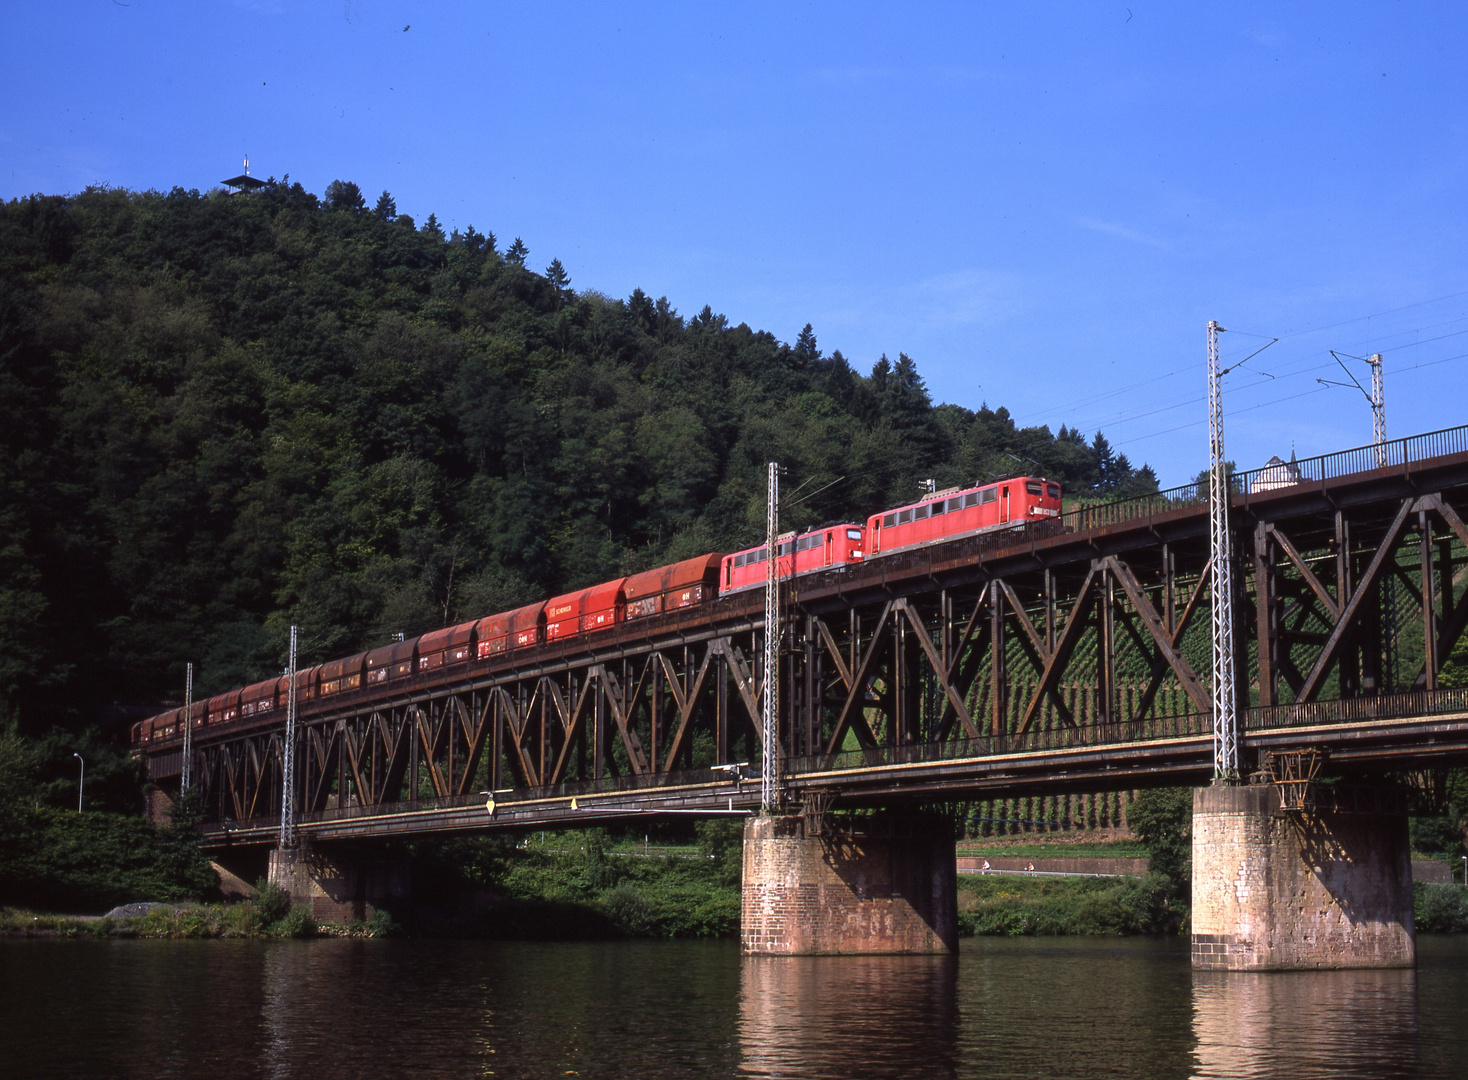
(1276, 890)
(339, 888)
(890, 889)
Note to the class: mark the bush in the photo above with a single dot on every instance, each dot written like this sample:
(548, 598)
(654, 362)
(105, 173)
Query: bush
(271, 901)
(65, 861)
(1162, 818)
(1013, 906)
(1440, 909)
(298, 923)
(381, 924)
(630, 911)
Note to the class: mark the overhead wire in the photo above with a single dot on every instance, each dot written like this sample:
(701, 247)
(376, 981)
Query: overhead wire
(1126, 416)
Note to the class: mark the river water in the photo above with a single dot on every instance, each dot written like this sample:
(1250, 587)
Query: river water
(1047, 1007)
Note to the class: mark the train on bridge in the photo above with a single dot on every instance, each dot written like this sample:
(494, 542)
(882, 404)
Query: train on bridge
(940, 516)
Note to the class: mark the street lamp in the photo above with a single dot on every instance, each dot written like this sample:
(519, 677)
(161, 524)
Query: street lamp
(81, 782)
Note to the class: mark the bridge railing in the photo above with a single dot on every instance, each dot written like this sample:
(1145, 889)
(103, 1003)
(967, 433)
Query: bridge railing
(1149, 729)
(1272, 477)
(1355, 710)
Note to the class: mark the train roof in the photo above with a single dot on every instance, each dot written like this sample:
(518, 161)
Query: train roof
(388, 655)
(336, 669)
(680, 575)
(448, 637)
(510, 622)
(949, 492)
(785, 538)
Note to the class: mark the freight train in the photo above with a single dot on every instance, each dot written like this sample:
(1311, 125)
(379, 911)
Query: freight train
(936, 518)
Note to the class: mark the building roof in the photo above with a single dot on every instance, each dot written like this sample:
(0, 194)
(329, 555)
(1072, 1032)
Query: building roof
(244, 183)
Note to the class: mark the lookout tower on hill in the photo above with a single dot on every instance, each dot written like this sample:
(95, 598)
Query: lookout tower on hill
(244, 182)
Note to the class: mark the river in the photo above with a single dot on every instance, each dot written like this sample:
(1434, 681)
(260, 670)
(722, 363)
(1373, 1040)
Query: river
(1047, 1007)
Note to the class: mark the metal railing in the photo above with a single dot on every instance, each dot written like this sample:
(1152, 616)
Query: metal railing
(1277, 476)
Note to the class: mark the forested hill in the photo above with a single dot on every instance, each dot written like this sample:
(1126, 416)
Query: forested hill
(224, 415)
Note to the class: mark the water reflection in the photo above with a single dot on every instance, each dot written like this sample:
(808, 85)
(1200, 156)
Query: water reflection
(1034, 1008)
(1304, 1024)
(844, 1016)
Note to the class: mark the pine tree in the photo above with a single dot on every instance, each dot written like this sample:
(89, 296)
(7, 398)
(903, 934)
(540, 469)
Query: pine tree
(386, 208)
(556, 274)
(806, 350)
(518, 252)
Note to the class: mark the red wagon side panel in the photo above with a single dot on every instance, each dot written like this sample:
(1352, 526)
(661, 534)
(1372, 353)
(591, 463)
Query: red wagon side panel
(392, 662)
(510, 630)
(258, 698)
(602, 606)
(339, 676)
(306, 686)
(446, 647)
(563, 615)
(223, 708)
(684, 584)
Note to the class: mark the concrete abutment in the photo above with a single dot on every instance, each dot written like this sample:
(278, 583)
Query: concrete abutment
(889, 886)
(339, 886)
(1278, 890)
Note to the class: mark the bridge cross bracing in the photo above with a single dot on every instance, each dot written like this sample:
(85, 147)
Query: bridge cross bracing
(1069, 656)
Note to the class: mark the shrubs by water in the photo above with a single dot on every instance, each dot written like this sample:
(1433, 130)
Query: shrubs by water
(1013, 906)
(62, 860)
(578, 885)
(1440, 909)
(241, 920)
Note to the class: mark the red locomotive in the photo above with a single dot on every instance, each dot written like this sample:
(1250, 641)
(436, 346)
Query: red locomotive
(822, 549)
(947, 515)
(941, 516)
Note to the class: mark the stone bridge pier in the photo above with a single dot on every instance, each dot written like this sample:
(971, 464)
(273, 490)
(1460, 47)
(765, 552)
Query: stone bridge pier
(340, 885)
(887, 885)
(1286, 890)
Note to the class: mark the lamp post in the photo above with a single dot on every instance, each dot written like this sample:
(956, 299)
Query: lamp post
(81, 781)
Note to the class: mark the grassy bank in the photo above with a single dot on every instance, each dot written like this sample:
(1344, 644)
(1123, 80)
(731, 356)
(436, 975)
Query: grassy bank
(1011, 906)
(269, 915)
(1054, 849)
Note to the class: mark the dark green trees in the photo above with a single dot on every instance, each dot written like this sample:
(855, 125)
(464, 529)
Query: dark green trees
(222, 416)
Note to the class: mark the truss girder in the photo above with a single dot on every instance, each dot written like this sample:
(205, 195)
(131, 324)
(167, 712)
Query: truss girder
(1068, 647)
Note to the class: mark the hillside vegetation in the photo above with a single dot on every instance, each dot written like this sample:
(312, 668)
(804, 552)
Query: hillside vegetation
(221, 416)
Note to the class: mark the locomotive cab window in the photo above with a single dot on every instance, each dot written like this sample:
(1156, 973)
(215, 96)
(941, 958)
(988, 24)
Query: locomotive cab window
(1034, 488)
(853, 534)
(1053, 490)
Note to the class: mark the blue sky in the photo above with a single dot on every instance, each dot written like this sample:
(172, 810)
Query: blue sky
(1042, 204)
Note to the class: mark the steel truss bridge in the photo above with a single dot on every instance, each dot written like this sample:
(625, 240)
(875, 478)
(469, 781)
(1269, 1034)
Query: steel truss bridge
(1052, 658)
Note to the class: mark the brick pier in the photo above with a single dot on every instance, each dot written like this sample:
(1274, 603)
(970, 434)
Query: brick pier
(1281, 891)
(887, 887)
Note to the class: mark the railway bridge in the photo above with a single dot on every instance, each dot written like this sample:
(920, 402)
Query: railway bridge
(1061, 656)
